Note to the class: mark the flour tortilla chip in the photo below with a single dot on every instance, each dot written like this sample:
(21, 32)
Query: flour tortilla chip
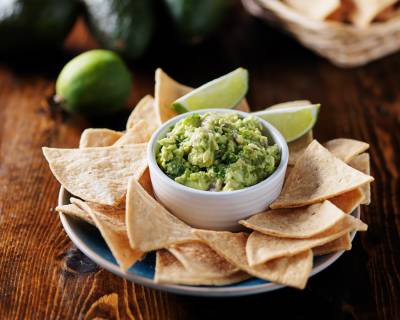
(94, 137)
(297, 147)
(167, 90)
(342, 243)
(145, 110)
(261, 248)
(318, 10)
(318, 175)
(366, 10)
(150, 225)
(362, 163)
(97, 174)
(171, 270)
(346, 149)
(145, 182)
(292, 271)
(139, 133)
(349, 201)
(74, 211)
(199, 258)
(113, 231)
(299, 223)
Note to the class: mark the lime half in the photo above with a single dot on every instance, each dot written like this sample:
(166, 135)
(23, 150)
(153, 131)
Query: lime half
(224, 92)
(292, 122)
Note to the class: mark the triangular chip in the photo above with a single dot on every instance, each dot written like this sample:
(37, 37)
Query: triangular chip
(318, 175)
(150, 225)
(366, 10)
(144, 110)
(167, 90)
(145, 182)
(97, 174)
(199, 258)
(299, 223)
(94, 137)
(171, 270)
(73, 210)
(113, 232)
(342, 243)
(261, 248)
(297, 147)
(292, 271)
(314, 9)
(346, 149)
(361, 163)
(349, 201)
(139, 133)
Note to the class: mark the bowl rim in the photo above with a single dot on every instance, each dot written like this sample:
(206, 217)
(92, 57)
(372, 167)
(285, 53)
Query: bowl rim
(276, 135)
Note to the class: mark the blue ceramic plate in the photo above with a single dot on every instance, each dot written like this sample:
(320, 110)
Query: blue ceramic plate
(90, 242)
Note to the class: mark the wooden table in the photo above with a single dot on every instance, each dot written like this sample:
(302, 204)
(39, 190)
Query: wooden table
(44, 276)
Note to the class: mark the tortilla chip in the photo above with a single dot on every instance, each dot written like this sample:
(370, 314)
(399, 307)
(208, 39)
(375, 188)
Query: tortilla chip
(318, 175)
(199, 258)
(297, 147)
(74, 211)
(342, 243)
(299, 223)
(349, 201)
(145, 182)
(139, 133)
(113, 231)
(366, 10)
(261, 248)
(362, 163)
(318, 10)
(167, 90)
(171, 270)
(150, 225)
(292, 271)
(144, 110)
(98, 138)
(345, 149)
(97, 174)
(113, 214)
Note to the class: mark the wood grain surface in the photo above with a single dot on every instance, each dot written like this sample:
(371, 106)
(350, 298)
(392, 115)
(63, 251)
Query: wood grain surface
(44, 276)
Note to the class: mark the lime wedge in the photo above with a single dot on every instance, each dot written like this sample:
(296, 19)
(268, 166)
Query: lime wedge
(292, 122)
(289, 104)
(224, 92)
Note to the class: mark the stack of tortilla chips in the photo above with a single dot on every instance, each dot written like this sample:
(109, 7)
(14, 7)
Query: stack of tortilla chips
(109, 178)
(361, 13)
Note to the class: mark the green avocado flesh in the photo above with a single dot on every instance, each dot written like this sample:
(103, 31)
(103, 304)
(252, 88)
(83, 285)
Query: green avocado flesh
(217, 152)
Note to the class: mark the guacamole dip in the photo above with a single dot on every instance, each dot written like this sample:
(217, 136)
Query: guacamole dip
(217, 152)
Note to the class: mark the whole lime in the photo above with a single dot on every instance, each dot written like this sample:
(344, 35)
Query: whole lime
(96, 82)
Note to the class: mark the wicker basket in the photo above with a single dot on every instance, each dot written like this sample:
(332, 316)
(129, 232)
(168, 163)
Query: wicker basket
(344, 45)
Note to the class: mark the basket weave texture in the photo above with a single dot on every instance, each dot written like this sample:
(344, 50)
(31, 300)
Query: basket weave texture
(344, 45)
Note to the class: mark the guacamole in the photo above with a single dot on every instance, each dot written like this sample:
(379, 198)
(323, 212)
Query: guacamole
(217, 152)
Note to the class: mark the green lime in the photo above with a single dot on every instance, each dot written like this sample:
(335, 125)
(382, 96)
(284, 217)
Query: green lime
(95, 82)
(224, 92)
(289, 104)
(292, 122)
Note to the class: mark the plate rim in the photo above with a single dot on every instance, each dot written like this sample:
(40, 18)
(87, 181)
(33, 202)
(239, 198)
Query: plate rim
(206, 291)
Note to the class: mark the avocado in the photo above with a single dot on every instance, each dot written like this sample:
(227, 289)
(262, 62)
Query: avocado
(194, 18)
(124, 26)
(32, 25)
(96, 82)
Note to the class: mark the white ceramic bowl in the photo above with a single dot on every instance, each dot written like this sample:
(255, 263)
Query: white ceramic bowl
(215, 210)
